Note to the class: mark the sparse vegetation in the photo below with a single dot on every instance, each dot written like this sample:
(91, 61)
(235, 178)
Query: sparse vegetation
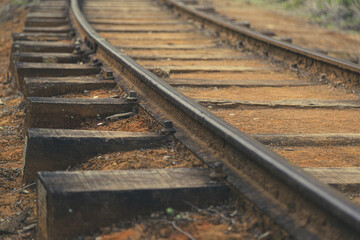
(344, 14)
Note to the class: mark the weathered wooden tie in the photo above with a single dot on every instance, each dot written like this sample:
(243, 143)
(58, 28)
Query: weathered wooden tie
(164, 46)
(330, 104)
(132, 22)
(42, 46)
(46, 16)
(60, 29)
(46, 57)
(46, 7)
(92, 199)
(40, 36)
(326, 139)
(346, 180)
(51, 112)
(187, 56)
(41, 23)
(26, 69)
(193, 69)
(53, 86)
(59, 149)
(178, 82)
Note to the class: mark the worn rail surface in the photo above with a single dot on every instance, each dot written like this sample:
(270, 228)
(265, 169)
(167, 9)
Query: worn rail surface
(173, 44)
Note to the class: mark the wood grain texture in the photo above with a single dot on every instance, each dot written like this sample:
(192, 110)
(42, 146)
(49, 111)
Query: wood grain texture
(42, 46)
(177, 82)
(60, 57)
(91, 199)
(52, 112)
(46, 15)
(50, 86)
(60, 29)
(190, 69)
(344, 179)
(40, 36)
(41, 23)
(333, 104)
(167, 46)
(309, 139)
(24, 69)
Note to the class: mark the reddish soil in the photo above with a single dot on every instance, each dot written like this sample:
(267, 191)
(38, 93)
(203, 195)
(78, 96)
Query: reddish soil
(220, 222)
(139, 122)
(17, 204)
(282, 120)
(172, 156)
(99, 93)
(263, 120)
(269, 93)
(330, 156)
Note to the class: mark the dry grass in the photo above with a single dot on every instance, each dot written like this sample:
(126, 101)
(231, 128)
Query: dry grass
(341, 13)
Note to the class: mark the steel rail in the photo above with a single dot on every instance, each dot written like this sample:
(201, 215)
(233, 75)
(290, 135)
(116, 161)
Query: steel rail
(349, 72)
(252, 168)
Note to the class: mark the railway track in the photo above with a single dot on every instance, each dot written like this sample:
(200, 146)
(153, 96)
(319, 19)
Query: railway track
(82, 80)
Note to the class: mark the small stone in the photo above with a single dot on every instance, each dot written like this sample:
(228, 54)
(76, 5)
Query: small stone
(166, 158)
(234, 213)
(24, 191)
(154, 215)
(1, 102)
(264, 236)
(29, 227)
(99, 124)
(96, 97)
(164, 233)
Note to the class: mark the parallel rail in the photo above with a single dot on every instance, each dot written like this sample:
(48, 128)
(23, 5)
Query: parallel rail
(347, 72)
(264, 181)
(260, 175)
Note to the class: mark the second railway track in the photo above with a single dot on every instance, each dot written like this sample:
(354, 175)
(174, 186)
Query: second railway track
(279, 99)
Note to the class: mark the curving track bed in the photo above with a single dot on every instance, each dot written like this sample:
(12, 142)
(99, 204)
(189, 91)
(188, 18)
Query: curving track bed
(298, 116)
(104, 84)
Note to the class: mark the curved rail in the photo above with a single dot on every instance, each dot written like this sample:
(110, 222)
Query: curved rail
(218, 134)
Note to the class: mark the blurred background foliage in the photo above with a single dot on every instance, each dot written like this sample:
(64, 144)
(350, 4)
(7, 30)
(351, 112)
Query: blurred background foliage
(344, 14)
